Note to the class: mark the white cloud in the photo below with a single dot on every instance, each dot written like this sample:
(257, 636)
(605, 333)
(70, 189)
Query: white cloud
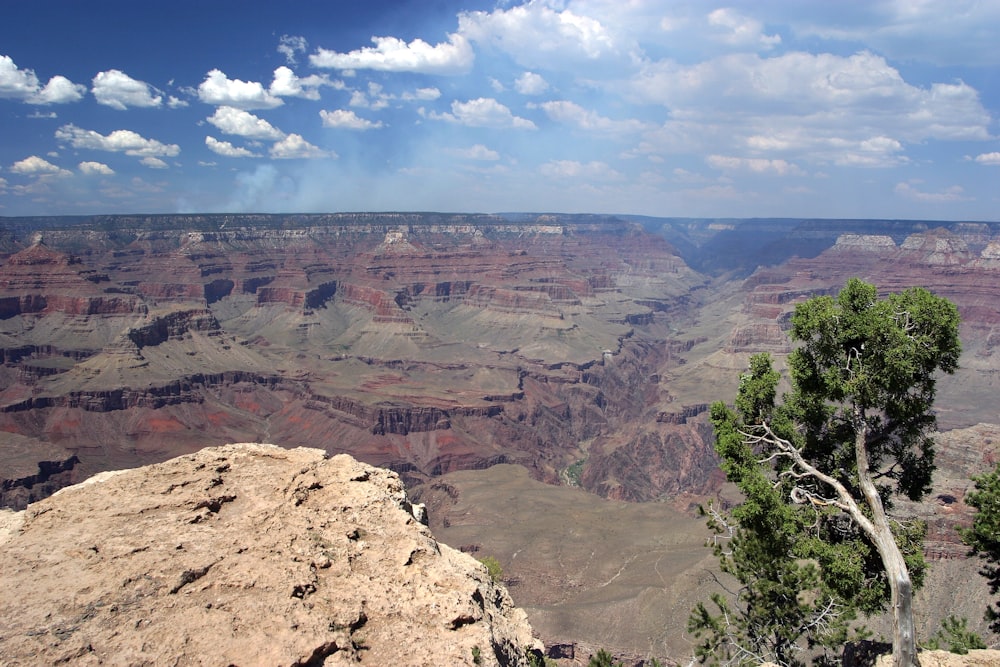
(226, 149)
(391, 54)
(564, 111)
(483, 112)
(953, 194)
(23, 85)
(95, 169)
(755, 165)
(988, 158)
(230, 120)
(741, 31)
(16, 83)
(220, 90)
(375, 99)
(295, 147)
(476, 152)
(572, 169)
(348, 120)
(530, 83)
(59, 90)
(176, 102)
(34, 166)
(119, 91)
(154, 162)
(289, 45)
(538, 36)
(48, 115)
(119, 141)
(421, 94)
(820, 108)
(287, 84)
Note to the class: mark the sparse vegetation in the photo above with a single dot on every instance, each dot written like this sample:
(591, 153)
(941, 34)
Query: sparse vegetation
(815, 540)
(493, 568)
(603, 659)
(956, 635)
(477, 657)
(573, 472)
(984, 535)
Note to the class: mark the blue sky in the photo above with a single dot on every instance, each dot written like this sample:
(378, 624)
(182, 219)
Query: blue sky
(798, 108)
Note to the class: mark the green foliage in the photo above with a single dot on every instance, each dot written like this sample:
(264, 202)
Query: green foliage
(862, 376)
(477, 656)
(955, 633)
(984, 535)
(574, 470)
(603, 659)
(492, 568)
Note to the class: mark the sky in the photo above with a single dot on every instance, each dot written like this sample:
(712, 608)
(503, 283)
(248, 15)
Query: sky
(770, 108)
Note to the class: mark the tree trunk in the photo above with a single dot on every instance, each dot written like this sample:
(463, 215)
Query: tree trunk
(904, 644)
(904, 641)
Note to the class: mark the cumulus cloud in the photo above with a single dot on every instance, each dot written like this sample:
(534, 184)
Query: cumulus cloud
(226, 149)
(95, 169)
(476, 152)
(570, 113)
(119, 141)
(59, 90)
(741, 31)
(295, 147)
(289, 45)
(822, 108)
(755, 165)
(23, 84)
(391, 54)
(35, 166)
(953, 194)
(287, 84)
(230, 120)
(176, 102)
(375, 99)
(220, 90)
(571, 169)
(483, 112)
(538, 36)
(988, 158)
(154, 162)
(421, 94)
(118, 90)
(530, 83)
(348, 120)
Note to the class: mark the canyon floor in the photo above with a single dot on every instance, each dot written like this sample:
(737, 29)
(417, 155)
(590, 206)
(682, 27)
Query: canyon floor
(540, 381)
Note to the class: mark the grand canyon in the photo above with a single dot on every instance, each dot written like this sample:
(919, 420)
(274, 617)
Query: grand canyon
(539, 381)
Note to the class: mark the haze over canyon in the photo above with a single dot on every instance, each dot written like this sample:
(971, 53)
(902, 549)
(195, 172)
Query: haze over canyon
(524, 374)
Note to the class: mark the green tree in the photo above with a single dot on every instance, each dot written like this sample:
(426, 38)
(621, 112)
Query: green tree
(781, 604)
(984, 535)
(853, 431)
(602, 659)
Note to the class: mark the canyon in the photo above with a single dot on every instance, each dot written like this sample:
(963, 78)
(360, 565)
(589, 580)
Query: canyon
(569, 359)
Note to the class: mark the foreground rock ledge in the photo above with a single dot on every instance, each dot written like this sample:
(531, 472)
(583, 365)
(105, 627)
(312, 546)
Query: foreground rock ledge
(245, 554)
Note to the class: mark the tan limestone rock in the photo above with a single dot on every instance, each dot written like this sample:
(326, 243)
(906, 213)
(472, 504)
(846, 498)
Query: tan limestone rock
(245, 554)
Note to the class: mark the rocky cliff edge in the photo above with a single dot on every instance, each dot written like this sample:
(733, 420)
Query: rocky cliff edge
(245, 554)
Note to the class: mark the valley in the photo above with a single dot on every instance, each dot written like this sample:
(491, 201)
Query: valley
(540, 381)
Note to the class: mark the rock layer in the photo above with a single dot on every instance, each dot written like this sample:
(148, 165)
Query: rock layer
(245, 554)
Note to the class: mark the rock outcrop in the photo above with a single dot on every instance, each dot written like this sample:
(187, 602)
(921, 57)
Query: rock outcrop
(245, 554)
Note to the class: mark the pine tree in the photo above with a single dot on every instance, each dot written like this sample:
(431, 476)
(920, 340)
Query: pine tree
(984, 535)
(824, 464)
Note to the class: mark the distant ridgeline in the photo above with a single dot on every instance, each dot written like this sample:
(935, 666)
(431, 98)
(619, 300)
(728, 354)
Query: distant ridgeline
(708, 245)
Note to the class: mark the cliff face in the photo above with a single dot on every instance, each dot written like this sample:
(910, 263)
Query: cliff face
(245, 554)
(425, 343)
